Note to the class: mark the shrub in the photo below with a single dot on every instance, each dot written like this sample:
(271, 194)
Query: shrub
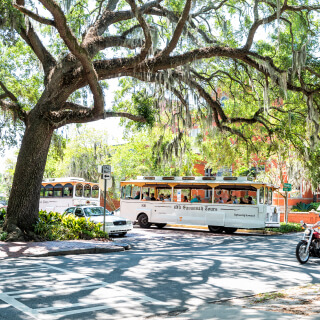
(3, 236)
(55, 226)
(287, 227)
(2, 214)
(314, 205)
(302, 207)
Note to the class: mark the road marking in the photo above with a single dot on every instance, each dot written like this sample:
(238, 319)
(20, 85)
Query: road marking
(18, 305)
(56, 280)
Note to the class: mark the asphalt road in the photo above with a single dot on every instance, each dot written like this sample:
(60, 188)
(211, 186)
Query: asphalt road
(165, 273)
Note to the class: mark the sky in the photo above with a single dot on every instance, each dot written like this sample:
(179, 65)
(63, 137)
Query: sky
(115, 132)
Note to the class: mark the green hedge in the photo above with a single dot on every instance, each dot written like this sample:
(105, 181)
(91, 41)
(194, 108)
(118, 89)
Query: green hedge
(314, 205)
(287, 227)
(56, 226)
(2, 214)
(305, 207)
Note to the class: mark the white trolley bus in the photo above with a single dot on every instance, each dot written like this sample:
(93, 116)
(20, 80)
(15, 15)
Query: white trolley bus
(57, 194)
(211, 210)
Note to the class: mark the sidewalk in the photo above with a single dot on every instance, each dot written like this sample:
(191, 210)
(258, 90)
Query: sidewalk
(296, 303)
(58, 248)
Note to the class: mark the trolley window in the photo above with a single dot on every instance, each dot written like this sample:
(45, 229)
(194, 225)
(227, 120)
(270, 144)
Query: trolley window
(57, 190)
(261, 195)
(95, 192)
(48, 190)
(42, 192)
(68, 190)
(270, 196)
(79, 190)
(87, 191)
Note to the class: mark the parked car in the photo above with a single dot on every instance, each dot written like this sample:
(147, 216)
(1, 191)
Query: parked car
(114, 225)
(116, 212)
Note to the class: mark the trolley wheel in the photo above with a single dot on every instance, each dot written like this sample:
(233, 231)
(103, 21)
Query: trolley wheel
(144, 221)
(301, 253)
(215, 229)
(160, 225)
(230, 230)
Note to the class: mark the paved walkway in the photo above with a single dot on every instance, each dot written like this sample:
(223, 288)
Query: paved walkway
(58, 248)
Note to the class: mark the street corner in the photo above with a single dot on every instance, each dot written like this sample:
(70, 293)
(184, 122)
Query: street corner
(58, 248)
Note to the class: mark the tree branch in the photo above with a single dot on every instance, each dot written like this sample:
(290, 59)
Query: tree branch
(101, 43)
(209, 8)
(15, 108)
(31, 38)
(81, 53)
(33, 15)
(12, 106)
(109, 17)
(74, 113)
(257, 23)
(146, 30)
(178, 31)
(44, 56)
(7, 93)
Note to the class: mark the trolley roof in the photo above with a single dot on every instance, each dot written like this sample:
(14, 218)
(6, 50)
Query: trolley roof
(198, 182)
(69, 180)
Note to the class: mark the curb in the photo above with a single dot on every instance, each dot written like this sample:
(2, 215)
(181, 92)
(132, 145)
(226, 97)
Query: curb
(94, 250)
(251, 231)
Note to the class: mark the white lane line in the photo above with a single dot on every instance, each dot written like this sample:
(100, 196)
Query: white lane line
(23, 269)
(49, 291)
(18, 305)
(72, 312)
(121, 297)
(58, 307)
(25, 278)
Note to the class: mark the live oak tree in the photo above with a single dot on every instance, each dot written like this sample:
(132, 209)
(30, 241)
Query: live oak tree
(56, 53)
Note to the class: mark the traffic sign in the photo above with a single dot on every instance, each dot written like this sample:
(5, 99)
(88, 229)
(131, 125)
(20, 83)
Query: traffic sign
(287, 187)
(106, 176)
(106, 168)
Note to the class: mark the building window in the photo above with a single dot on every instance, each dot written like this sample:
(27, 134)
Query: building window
(208, 194)
(296, 193)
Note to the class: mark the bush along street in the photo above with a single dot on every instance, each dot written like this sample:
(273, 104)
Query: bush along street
(55, 226)
(305, 207)
(287, 227)
(3, 235)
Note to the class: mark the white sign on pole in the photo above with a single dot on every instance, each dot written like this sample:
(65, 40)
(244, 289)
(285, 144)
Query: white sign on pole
(101, 184)
(106, 176)
(106, 168)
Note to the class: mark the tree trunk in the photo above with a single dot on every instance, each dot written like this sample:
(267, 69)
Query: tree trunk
(23, 205)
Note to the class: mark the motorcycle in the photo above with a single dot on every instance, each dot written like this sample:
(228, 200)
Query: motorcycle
(309, 245)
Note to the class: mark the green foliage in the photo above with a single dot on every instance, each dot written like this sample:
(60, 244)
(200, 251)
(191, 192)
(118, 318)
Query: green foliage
(2, 214)
(135, 101)
(302, 207)
(3, 236)
(79, 155)
(55, 226)
(143, 105)
(287, 227)
(314, 205)
(262, 297)
(140, 156)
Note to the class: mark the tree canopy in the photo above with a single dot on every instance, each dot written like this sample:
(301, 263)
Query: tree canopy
(243, 68)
